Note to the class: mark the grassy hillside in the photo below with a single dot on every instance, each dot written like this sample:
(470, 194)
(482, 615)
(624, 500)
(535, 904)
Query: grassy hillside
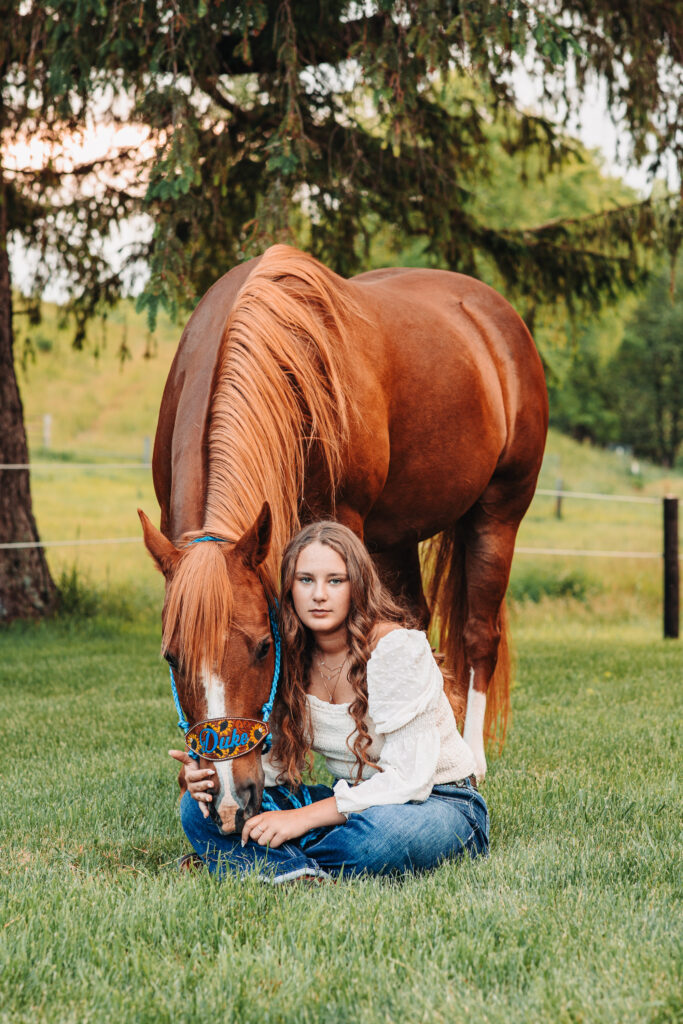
(103, 410)
(100, 406)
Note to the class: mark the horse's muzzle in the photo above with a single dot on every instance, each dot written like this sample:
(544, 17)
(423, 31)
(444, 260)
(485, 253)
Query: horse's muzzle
(229, 816)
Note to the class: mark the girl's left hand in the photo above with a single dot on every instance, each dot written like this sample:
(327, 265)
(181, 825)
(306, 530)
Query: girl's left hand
(273, 828)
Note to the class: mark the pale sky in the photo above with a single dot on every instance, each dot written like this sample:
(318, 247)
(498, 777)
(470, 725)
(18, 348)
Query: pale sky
(592, 126)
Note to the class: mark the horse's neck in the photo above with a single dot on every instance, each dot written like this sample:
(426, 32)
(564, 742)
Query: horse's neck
(283, 381)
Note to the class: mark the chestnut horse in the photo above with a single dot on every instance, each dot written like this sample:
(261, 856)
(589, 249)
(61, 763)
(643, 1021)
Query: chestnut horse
(408, 404)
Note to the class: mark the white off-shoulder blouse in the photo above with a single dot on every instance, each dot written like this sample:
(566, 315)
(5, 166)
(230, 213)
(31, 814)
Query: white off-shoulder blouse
(414, 736)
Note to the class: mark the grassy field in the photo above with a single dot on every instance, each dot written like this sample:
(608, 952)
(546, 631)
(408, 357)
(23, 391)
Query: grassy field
(576, 916)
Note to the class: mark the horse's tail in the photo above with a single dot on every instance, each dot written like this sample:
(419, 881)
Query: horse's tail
(444, 570)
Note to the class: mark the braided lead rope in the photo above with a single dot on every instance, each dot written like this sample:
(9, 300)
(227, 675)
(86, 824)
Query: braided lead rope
(182, 721)
(268, 706)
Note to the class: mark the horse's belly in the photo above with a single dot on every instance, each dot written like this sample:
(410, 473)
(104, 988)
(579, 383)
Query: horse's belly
(423, 500)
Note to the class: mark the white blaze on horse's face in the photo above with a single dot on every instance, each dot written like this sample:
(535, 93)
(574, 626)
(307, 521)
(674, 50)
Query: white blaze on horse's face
(225, 800)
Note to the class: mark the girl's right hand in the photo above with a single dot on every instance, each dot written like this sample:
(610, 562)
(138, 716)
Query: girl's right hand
(197, 780)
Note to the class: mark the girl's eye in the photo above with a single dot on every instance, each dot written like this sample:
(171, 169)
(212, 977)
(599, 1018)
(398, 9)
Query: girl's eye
(305, 579)
(262, 648)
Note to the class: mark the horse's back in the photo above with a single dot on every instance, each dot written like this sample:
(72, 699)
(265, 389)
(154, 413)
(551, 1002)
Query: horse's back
(468, 394)
(463, 308)
(437, 320)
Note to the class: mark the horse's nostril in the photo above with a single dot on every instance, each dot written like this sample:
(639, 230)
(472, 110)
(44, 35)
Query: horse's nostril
(251, 795)
(255, 798)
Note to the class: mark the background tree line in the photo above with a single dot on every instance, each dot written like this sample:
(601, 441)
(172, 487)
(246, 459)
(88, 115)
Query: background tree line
(351, 129)
(633, 397)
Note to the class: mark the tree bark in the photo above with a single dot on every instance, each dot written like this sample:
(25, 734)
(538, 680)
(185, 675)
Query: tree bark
(26, 586)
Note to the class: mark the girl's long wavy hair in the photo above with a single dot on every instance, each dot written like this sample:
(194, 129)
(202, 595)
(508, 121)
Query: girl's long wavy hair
(370, 604)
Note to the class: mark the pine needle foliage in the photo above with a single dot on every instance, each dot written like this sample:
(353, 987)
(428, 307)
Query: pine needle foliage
(310, 122)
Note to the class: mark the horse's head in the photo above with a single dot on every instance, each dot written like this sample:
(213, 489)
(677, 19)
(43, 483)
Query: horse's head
(217, 639)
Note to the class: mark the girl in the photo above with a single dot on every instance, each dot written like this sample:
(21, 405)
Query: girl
(363, 689)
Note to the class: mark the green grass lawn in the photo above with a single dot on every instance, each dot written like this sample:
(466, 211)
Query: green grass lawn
(576, 916)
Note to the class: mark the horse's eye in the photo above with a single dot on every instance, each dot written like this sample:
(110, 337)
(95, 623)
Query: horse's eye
(172, 660)
(262, 648)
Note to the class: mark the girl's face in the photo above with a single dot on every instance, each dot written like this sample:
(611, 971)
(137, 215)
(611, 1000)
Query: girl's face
(321, 592)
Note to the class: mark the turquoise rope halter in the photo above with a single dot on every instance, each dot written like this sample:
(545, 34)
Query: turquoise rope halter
(268, 706)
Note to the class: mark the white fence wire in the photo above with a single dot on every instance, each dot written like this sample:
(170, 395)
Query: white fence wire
(558, 552)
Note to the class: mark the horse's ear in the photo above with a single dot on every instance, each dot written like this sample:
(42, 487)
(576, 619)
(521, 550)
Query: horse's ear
(254, 545)
(162, 550)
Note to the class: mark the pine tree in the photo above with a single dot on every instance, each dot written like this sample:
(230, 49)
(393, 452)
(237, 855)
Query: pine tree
(314, 122)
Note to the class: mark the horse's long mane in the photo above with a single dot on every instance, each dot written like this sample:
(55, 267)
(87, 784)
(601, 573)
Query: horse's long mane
(282, 386)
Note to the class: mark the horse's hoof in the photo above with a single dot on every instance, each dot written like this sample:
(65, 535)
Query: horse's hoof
(480, 768)
(191, 863)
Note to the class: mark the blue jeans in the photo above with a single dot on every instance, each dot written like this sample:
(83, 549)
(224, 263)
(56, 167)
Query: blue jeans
(387, 840)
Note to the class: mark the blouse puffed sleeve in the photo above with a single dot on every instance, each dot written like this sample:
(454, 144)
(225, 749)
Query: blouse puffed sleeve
(404, 687)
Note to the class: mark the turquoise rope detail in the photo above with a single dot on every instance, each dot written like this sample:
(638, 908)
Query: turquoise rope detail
(267, 802)
(268, 706)
(182, 721)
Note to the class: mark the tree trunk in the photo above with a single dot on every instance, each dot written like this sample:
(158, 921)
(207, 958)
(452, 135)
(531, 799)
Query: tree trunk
(26, 587)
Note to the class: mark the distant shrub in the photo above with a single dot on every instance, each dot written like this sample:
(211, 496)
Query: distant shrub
(75, 597)
(535, 584)
(78, 598)
(44, 344)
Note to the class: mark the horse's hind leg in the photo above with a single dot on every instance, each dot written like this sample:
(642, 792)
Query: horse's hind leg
(490, 528)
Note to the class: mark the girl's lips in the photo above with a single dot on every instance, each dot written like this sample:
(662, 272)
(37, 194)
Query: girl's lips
(319, 611)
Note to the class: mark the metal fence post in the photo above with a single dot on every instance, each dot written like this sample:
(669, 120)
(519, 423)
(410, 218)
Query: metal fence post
(47, 429)
(671, 568)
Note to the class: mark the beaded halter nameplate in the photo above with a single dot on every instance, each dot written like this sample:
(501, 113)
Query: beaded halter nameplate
(219, 739)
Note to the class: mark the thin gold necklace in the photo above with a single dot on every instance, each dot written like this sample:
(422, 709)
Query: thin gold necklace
(334, 674)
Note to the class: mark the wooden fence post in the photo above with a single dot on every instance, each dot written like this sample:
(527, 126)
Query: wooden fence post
(671, 568)
(559, 486)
